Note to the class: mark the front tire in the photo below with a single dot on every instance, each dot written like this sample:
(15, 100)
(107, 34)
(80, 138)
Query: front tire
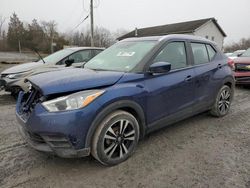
(116, 138)
(223, 102)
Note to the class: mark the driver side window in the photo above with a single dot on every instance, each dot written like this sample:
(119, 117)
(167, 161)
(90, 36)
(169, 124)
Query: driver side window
(81, 56)
(174, 53)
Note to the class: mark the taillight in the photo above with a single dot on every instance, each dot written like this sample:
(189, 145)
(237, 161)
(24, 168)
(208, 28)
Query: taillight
(231, 64)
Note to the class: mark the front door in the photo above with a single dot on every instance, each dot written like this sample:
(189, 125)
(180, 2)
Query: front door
(171, 94)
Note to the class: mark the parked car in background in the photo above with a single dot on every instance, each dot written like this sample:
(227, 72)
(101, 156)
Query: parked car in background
(12, 79)
(241, 66)
(136, 86)
(228, 54)
(236, 54)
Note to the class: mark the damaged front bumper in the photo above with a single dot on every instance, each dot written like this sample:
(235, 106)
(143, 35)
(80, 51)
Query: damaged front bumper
(2, 84)
(54, 144)
(59, 133)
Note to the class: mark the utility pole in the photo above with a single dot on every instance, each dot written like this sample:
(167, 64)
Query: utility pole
(19, 46)
(92, 23)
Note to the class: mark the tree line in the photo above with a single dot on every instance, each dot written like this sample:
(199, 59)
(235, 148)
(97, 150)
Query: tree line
(45, 37)
(243, 44)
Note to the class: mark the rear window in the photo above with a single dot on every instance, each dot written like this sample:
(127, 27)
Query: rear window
(200, 53)
(211, 52)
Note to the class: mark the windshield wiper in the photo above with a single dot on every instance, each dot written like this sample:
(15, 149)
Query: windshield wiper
(100, 69)
(39, 55)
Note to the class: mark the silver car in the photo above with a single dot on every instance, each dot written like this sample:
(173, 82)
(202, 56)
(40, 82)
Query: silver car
(12, 79)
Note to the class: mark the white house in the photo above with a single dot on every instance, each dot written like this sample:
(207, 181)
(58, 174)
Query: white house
(207, 28)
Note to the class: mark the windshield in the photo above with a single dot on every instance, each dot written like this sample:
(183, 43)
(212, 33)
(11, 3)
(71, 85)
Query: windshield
(57, 56)
(246, 53)
(122, 56)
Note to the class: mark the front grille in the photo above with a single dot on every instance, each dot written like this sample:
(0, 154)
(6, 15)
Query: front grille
(35, 137)
(56, 141)
(3, 75)
(243, 78)
(242, 67)
(28, 102)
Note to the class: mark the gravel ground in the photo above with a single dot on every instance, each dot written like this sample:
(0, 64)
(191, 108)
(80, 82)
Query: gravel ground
(201, 151)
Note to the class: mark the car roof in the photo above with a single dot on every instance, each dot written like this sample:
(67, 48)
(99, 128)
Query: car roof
(84, 48)
(168, 37)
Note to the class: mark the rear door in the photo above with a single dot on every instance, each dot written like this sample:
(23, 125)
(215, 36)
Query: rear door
(170, 95)
(205, 67)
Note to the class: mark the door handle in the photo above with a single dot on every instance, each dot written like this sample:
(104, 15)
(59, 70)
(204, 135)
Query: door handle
(188, 78)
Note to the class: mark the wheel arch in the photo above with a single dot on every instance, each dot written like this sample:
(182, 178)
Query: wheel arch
(126, 105)
(230, 82)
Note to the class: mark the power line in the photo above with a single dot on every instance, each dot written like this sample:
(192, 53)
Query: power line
(69, 17)
(97, 2)
(80, 23)
(83, 5)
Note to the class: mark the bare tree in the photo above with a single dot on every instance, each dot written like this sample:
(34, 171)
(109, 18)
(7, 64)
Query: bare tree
(49, 29)
(2, 21)
(243, 44)
(120, 32)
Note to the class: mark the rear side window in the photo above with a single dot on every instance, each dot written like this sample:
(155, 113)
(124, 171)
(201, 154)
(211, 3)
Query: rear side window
(174, 53)
(200, 53)
(97, 52)
(211, 52)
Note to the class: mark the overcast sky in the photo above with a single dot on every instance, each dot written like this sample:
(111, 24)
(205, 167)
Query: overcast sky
(233, 16)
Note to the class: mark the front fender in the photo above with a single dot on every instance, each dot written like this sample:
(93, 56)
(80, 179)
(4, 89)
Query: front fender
(129, 97)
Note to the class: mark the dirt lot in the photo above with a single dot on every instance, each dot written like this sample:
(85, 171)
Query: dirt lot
(199, 152)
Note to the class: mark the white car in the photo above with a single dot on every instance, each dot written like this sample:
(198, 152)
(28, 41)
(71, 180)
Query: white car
(236, 54)
(228, 54)
(12, 79)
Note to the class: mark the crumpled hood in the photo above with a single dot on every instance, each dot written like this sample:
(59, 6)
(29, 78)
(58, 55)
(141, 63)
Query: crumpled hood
(73, 79)
(22, 68)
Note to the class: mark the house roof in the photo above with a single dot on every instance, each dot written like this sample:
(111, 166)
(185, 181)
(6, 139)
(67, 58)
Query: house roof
(176, 28)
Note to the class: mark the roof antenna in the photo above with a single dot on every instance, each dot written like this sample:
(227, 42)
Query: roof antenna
(136, 32)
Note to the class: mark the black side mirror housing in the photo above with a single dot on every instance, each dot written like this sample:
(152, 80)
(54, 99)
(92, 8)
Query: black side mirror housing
(69, 62)
(159, 67)
(83, 64)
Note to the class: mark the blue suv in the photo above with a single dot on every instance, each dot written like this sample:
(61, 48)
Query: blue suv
(136, 86)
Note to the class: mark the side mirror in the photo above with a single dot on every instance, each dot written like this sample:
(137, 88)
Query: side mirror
(160, 67)
(83, 64)
(69, 62)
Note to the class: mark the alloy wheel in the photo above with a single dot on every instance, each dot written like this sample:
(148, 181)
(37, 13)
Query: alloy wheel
(119, 139)
(224, 101)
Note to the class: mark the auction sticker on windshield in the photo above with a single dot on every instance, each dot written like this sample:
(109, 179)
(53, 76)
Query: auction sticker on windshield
(125, 54)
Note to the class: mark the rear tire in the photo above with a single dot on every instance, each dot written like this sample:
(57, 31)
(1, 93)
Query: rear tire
(223, 102)
(116, 138)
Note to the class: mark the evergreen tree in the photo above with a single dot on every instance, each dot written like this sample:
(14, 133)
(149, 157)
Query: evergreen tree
(16, 32)
(35, 36)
